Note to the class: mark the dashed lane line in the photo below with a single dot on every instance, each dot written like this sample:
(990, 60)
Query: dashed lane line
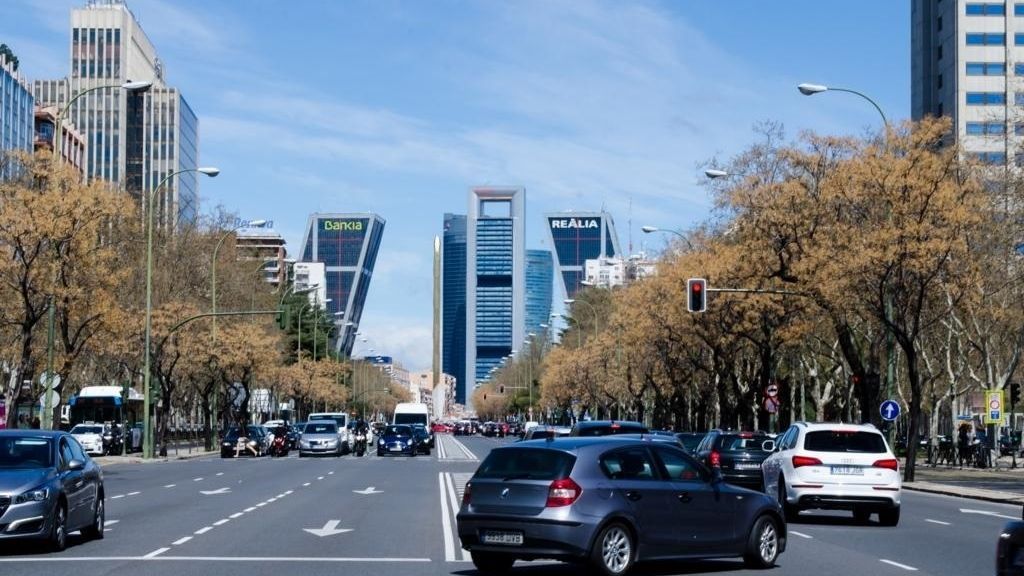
(222, 521)
(181, 541)
(249, 509)
(134, 493)
(116, 497)
(801, 534)
(235, 515)
(898, 565)
(203, 530)
(937, 522)
(170, 486)
(155, 553)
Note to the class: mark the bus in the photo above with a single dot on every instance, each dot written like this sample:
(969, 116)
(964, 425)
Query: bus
(107, 405)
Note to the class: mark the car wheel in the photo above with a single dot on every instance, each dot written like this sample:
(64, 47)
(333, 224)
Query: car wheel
(789, 510)
(763, 544)
(59, 530)
(612, 554)
(889, 517)
(861, 515)
(492, 562)
(95, 530)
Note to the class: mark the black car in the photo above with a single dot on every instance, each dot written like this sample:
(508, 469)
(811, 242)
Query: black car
(1010, 550)
(294, 433)
(254, 443)
(607, 428)
(422, 437)
(738, 454)
(50, 488)
(690, 440)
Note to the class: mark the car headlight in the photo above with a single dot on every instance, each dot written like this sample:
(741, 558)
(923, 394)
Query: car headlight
(304, 444)
(37, 495)
(381, 441)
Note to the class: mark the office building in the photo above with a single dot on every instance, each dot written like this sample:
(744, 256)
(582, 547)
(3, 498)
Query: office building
(133, 138)
(72, 144)
(310, 277)
(16, 115)
(965, 57)
(453, 303)
(575, 238)
(495, 278)
(347, 245)
(264, 244)
(539, 281)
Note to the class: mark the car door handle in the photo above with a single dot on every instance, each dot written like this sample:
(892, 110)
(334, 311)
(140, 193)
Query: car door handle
(634, 495)
(684, 497)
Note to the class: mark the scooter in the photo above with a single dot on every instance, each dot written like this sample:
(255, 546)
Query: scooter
(280, 446)
(360, 444)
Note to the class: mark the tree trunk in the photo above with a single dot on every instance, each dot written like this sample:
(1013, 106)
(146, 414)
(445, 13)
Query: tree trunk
(914, 378)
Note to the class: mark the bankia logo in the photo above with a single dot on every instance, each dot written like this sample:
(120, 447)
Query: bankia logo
(562, 223)
(343, 225)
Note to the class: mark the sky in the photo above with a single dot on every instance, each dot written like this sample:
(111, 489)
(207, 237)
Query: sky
(399, 108)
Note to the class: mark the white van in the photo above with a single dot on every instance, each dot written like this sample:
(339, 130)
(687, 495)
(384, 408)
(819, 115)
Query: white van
(413, 413)
(344, 434)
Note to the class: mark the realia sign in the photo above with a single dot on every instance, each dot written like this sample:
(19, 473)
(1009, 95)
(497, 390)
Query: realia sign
(561, 223)
(343, 225)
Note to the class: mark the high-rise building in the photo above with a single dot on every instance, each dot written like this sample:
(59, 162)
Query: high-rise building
(495, 274)
(133, 138)
(453, 303)
(539, 279)
(17, 109)
(577, 237)
(965, 57)
(263, 243)
(347, 244)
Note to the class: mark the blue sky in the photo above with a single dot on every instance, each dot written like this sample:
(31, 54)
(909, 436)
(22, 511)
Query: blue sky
(400, 107)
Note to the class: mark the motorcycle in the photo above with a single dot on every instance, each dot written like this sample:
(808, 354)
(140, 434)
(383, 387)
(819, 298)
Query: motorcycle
(360, 444)
(280, 446)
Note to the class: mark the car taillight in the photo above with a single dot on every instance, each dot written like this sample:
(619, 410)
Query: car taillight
(799, 461)
(890, 463)
(715, 459)
(563, 493)
(466, 493)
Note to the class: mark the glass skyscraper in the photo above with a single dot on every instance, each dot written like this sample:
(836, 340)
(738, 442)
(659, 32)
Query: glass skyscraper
(539, 276)
(495, 275)
(17, 117)
(453, 303)
(577, 237)
(347, 244)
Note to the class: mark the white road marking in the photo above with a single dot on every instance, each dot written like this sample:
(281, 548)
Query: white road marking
(319, 477)
(221, 522)
(106, 530)
(261, 504)
(269, 500)
(898, 565)
(220, 473)
(155, 553)
(936, 521)
(331, 472)
(446, 524)
(989, 513)
(224, 490)
(298, 560)
(181, 541)
(203, 530)
(801, 534)
(116, 497)
(289, 492)
(249, 509)
(281, 495)
(235, 515)
(196, 479)
(305, 484)
(453, 502)
(170, 486)
(330, 529)
(134, 493)
(112, 522)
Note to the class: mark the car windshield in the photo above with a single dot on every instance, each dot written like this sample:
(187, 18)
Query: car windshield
(321, 428)
(398, 431)
(742, 442)
(87, 429)
(843, 441)
(25, 452)
(610, 429)
(526, 464)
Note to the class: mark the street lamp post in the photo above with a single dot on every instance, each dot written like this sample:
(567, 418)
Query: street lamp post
(147, 442)
(650, 229)
(592, 311)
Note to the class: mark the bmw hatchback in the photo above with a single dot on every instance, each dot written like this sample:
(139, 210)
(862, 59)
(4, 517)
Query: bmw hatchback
(611, 502)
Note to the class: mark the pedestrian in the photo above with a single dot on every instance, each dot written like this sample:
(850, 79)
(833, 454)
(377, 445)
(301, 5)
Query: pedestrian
(963, 442)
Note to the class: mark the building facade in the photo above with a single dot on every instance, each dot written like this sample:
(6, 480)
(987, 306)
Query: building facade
(134, 139)
(17, 108)
(266, 245)
(539, 281)
(311, 276)
(495, 278)
(72, 143)
(575, 238)
(347, 245)
(966, 62)
(453, 302)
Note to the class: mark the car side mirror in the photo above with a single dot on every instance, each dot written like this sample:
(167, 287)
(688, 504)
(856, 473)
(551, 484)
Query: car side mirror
(768, 446)
(74, 465)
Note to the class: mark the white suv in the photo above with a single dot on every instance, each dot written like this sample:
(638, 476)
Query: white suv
(835, 467)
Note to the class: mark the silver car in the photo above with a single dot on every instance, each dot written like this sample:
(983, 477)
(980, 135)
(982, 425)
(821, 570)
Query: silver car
(49, 487)
(319, 437)
(610, 501)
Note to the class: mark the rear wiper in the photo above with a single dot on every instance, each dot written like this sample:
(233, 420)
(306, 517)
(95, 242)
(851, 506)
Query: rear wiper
(523, 476)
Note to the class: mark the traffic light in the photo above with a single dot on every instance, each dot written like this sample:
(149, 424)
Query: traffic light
(696, 295)
(501, 389)
(284, 317)
(1014, 394)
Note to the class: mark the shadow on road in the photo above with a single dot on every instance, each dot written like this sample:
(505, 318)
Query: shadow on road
(39, 548)
(665, 568)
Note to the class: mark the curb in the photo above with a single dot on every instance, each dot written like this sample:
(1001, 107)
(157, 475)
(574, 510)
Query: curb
(996, 497)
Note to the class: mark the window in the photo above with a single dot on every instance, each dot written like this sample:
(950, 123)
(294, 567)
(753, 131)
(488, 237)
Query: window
(938, 110)
(994, 158)
(1018, 129)
(676, 465)
(985, 39)
(1018, 39)
(985, 98)
(1018, 9)
(938, 52)
(526, 463)
(985, 128)
(65, 455)
(938, 81)
(1018, 98)
(985, 9)
(986, 69)
(852, 441)
(77, 452)
(628, 464)
(938, 23)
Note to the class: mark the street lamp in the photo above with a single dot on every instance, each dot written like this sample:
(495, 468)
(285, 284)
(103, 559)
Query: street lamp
(213, 266)
(713, 174)
(812, 89)
(652, 229)
(147, 428)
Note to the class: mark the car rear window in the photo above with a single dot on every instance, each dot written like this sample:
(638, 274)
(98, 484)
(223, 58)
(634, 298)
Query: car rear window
(610, 430)
(321, 428)
(526, 463)
(842, 441)
(741, 442)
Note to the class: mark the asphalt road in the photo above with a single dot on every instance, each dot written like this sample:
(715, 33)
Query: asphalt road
(316, 516)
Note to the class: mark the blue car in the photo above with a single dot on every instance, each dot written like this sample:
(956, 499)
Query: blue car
(397, 439)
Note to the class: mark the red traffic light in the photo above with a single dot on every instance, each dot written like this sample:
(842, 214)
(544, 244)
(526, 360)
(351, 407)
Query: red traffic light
(696, 289)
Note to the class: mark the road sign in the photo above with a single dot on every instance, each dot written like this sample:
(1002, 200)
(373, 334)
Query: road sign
(994, 406)
(890, 410)
(772, 391)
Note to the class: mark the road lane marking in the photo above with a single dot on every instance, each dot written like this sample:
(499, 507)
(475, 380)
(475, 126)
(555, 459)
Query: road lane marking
(249, 509)
(134, 493)
(220, 473)
(320, 478)
(222, 521)
(196, 479)
(203, 530)
(306, 484)
(111, 522)
(801, 534)
(235, 515)
(269, 500)
(261, 504)
(116, 497)
(898, 565)
(936, 521)
(453, 501)
(289, 492)
(446, 525)
(331, 472)
(989, 513)
(170, 486)
(155, 553)
(181, 541)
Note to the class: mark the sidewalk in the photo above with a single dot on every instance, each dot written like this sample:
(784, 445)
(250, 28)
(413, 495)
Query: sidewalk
(138, 459)
(1002, 484)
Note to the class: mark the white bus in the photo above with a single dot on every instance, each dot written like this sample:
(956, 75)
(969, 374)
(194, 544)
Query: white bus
(108, 405)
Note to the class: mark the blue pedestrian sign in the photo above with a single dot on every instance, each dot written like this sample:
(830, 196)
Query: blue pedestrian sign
(890, 410)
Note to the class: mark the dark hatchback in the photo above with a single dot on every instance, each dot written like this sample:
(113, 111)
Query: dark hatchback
(607, 428)
(422, 436)
(610, 502)
(738, 454)
(255, 442)
(690, 440)
(397, 439)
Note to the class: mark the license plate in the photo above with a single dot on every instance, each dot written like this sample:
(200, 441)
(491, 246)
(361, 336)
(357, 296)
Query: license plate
(747, 466)
(847, 471)
(502, 537)
(396, 449)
